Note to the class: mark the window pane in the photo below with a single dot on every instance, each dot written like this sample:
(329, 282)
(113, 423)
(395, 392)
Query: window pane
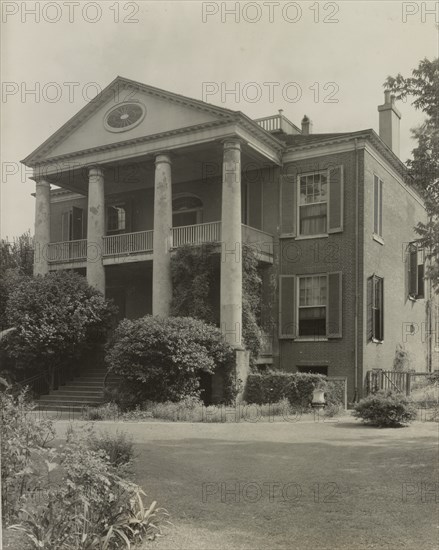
(380, 212)
(116, 218)
(313, 219)
(375, 205)
(312, 321)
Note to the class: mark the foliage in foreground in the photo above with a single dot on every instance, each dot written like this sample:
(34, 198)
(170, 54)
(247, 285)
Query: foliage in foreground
(163, 359)
(75, 496)
(386, 409)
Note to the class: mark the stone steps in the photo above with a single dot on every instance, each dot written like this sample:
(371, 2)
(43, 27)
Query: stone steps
(78, 394)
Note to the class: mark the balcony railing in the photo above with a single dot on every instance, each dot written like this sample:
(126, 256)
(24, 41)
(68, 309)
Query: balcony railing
(196, 234)
(67, 251)
(128, 243)
(141, 242)
(277, 123)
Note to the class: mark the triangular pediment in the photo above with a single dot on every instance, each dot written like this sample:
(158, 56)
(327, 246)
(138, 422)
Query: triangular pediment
(101, 122)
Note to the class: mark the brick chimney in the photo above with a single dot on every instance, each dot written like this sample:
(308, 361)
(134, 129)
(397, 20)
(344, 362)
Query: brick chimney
(389, 122)
(306, 126)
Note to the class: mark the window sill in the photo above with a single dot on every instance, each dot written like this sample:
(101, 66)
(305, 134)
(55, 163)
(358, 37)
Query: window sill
(416, 298)
(311, 339)
(376, 341)
(377, 238)
(305, 237)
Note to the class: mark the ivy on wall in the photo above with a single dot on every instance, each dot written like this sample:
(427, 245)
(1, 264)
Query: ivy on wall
(195, 281)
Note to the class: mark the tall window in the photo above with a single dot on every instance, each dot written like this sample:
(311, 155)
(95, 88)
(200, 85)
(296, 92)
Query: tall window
(416, 260)
(313, 203)
(186, 210)
(116, 218)
(378, 206)
(73, 224)
(376, 308)
(312, 305)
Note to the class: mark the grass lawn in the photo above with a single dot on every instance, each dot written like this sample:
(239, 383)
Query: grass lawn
(303, 485)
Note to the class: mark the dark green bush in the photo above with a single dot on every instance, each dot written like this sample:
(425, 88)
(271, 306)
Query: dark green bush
(163, 359)
(386, 408)
(297, 387)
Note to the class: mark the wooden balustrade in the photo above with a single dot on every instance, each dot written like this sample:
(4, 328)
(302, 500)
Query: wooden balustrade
(142, 242)
(196, 234)
(67, 251)
(128, 243)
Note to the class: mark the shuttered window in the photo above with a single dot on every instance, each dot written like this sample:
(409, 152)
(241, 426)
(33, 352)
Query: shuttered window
(416, 261)
(321, 202)
(313, 199)
(378, 206)
(375, 305)
(310, 306)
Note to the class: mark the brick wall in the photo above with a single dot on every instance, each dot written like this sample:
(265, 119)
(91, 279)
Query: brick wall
(322, 255)
(401, 212)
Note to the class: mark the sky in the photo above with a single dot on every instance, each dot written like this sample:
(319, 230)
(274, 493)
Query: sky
(327, 60)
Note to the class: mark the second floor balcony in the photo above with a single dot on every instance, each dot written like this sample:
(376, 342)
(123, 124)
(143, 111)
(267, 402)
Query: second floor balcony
(138, 246)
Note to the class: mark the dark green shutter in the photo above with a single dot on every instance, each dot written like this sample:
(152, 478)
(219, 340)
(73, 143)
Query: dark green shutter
(287, 306)
(413, 270)
(336, 199)
(375, 205)
(370, 290)
(288, 194)
(334, 317)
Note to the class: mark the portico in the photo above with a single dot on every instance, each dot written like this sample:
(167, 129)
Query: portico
(211, 158)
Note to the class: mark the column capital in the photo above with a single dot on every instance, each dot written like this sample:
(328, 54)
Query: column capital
(163, 157)
(95, 170)
(232, 143)
(41, 182)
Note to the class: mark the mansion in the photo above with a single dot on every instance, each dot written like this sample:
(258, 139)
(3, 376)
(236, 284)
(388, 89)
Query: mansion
(140, 172)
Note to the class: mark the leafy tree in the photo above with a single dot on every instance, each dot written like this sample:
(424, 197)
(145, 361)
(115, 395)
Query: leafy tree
(423, 88)
(56, 316)
(17, 254)
(16, 258)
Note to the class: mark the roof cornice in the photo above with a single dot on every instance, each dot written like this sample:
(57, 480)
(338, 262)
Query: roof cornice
(369, 135)
(113, 90)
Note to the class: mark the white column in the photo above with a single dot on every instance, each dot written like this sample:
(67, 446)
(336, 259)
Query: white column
(231, 249)
(42, 227)
(96, 228)
(161, 266)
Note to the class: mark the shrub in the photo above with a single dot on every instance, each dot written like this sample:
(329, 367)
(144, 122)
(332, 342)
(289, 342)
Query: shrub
(163, 359)
(118, 448)
(386, 408)
(57, 317)
(273, 386)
